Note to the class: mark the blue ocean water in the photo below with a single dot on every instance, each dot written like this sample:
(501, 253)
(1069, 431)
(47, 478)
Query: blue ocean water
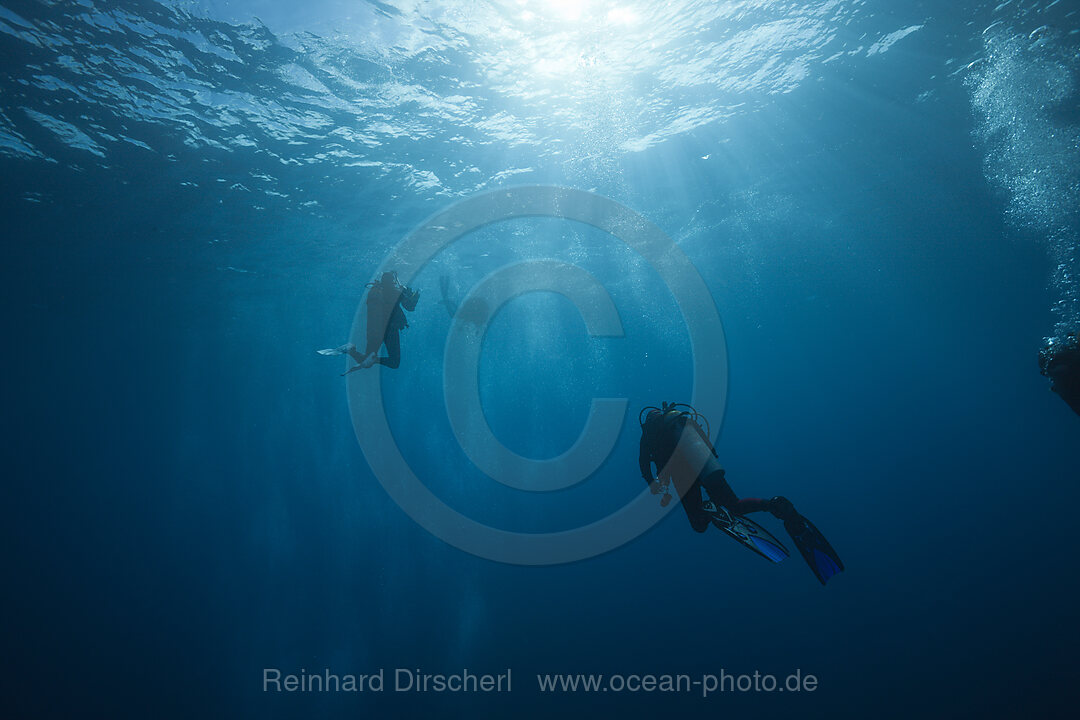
(881, 198)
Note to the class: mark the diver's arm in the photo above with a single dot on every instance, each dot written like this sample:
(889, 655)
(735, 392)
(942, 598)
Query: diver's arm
(409, 298)
(645, 461)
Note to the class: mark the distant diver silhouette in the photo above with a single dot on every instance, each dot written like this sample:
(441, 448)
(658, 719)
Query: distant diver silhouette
(473, 311)
(386, 300)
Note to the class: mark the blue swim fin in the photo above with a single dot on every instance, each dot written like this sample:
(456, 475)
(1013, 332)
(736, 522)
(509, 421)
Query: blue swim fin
(813, 546)
(747, 532)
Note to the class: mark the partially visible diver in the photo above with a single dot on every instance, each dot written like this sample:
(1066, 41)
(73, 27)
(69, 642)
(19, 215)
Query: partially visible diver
(444, 291)
(473, 310)
(386, 300)
(673, 440)
(1060, 361)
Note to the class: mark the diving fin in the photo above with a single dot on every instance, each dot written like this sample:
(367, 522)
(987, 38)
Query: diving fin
(338, 350)
(747, 532)
(815, 549)
(370, 359)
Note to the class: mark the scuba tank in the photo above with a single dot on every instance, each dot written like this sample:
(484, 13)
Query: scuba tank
(683, 436)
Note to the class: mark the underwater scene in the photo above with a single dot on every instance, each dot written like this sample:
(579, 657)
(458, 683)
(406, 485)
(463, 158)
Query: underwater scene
(540, 358)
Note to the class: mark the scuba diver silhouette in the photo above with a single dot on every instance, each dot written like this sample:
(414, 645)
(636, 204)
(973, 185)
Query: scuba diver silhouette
(1061, 363)
(385, 321)
(673, 439)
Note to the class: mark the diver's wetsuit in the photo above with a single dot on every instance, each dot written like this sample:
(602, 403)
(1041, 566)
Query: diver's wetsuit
(674, 441)
(385, 319)
(1062, 366)
(659, 436)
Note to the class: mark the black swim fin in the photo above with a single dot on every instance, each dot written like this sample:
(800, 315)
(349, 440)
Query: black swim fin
(815, 549)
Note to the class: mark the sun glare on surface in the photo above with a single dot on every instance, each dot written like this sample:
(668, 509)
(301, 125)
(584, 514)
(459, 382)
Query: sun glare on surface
(566, 9)
(573, 10)
(622, 16)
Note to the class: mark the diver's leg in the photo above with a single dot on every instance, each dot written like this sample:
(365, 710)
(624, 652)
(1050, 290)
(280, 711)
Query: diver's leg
(374, 340)
(695, 513)
(719, 491)
(722, 494)
(393, 350)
